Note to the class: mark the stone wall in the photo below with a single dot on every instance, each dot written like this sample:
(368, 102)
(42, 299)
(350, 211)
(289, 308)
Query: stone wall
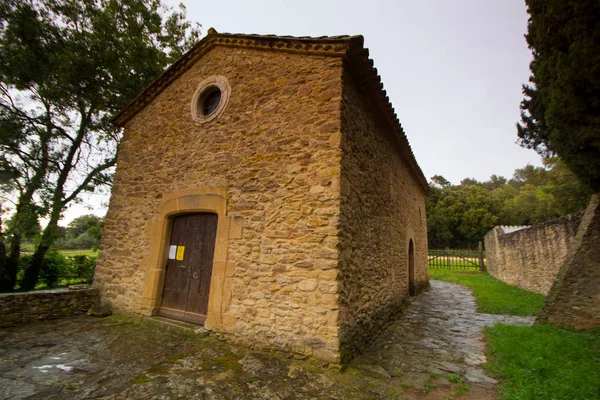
(28, 307)
(382, 208)
(530, 258)
(274, 155)
(574, 299)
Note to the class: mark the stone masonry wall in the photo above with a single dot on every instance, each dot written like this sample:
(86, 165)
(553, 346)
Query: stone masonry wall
(530, 258)
(28, 307)
(382, 208)
(574, 299)
(276, 151)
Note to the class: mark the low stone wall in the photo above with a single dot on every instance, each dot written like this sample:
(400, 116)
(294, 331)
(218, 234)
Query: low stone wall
(28, 307)
(530, 258)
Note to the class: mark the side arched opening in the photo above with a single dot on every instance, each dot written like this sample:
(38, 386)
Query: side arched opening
(412, 289)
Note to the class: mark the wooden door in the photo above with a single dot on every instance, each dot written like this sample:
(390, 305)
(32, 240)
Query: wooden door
(189, 267)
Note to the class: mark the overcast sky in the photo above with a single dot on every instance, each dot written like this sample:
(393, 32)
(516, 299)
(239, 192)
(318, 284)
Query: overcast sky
(453, 69)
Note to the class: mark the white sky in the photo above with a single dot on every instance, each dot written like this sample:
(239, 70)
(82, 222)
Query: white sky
(453, 70)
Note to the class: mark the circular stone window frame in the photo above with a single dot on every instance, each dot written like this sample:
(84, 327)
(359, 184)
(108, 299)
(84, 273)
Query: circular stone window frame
(205, 88)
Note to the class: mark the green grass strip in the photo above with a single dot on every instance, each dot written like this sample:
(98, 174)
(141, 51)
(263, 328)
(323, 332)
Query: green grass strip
(543, 362)
(493, 296)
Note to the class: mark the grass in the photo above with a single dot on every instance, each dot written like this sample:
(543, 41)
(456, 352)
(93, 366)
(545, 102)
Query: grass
(543, 362)
(427, 386)
(85, 252)
(29, 249)
(493, 296)
(537, 362)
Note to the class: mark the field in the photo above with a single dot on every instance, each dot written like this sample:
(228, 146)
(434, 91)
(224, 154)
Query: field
(86, 252)
(28, 248)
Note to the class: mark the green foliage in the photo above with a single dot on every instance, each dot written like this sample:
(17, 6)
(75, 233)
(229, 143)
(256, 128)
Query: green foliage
(454, 378)
(493, 296)
(543, 362)
(55, 266)
(84, 224)
(561, 109)
(427, 386)
(461, 389)
(461, 215)
(458, 215)
(83, 267)
(60, 269)
(67, 67)
(83, 232)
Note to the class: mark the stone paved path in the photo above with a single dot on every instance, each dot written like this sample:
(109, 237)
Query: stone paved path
(440, 334)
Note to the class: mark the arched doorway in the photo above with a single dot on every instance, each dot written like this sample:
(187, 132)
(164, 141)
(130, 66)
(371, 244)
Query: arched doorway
(412, 290)
(189, 267)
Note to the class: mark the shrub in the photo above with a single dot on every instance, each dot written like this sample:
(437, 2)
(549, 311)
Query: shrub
(60, 270)
(83, 267)
(55, 266)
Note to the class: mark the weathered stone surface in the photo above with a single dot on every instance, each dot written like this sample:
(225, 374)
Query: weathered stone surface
(28, 307)
(530, 258)
(100, 310)
(269, 151)
(574, 300)
(382, 209)
(318, 202)
(84, 358)
(439, 334)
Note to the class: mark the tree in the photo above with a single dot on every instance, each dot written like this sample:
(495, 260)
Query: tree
(66, 68)
(438, 181)
(2, 246)
(495, 182)
(560, 114)
(83, 232)
(460, 215)
(569, 194)
(529, 174)
(83, 224)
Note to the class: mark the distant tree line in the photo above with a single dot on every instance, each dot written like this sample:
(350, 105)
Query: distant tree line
(458, 216)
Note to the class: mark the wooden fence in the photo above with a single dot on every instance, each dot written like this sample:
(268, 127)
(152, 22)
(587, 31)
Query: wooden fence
(457, 259)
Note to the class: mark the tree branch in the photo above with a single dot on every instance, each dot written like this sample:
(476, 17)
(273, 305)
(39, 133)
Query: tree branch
(91, 176)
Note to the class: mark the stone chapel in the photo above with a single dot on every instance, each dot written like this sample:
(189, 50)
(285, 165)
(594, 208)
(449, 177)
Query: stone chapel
(265, 188)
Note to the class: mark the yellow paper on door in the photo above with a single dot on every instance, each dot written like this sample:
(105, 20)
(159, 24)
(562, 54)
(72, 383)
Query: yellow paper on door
(180, 250)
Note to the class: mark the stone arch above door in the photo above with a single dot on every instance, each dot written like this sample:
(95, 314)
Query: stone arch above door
(212, 200)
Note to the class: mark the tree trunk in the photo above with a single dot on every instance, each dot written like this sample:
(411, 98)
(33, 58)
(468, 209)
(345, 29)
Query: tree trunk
(32, 271)
(2, 253)
(11, 265)
(2, 259)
